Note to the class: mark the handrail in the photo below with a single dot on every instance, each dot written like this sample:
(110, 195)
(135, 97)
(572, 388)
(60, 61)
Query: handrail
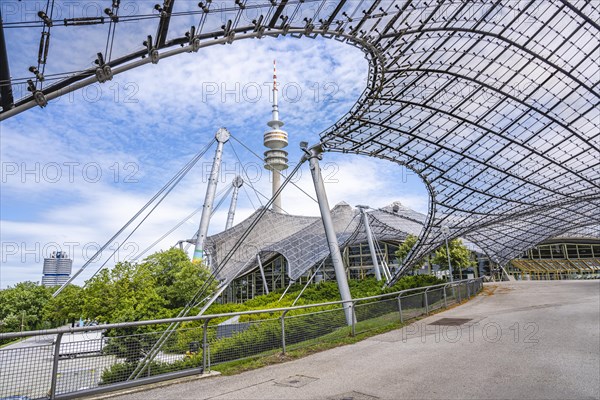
(56, 331)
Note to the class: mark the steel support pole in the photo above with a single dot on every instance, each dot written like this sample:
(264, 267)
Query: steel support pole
(445, 298)
(363, 210)
(54, 375)
(283, 332)
(314, 154)
(353, 319)
(237, 184)
(426, 302)
(446, 231)
(222, 136)
(400, 308)
(204, 345)
(262, 274)
(6, 93)
(449, 262)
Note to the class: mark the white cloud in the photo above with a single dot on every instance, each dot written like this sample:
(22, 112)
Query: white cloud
(156, 117)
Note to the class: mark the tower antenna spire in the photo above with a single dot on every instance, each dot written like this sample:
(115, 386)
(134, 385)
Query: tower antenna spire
(275, 93)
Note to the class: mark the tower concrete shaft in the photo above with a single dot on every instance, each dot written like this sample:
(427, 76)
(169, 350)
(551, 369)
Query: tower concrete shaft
(222, 136)
(275, 140)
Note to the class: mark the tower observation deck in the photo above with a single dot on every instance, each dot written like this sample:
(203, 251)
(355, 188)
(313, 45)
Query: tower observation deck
(275, 139)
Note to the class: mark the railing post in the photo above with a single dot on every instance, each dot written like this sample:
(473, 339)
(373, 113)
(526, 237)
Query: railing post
(283, 331)
(426, 302)
(445, 298)
(459, 297)
(353, 318)
(54, 375)
(205, 345)
(400, 308)
(468, 291)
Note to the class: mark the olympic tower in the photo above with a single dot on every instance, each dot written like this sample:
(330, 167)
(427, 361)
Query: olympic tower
(276, 140)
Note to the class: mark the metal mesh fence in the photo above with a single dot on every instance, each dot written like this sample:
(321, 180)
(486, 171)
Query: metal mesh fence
(372, 315)
(327, 324)
(26, 370)
(435, 299)
(452, 294)
(412, 305)
(242, 340)
(105, 357)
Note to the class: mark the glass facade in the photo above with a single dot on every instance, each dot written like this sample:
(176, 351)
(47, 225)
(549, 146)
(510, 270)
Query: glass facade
(559, 259)
(563, 250)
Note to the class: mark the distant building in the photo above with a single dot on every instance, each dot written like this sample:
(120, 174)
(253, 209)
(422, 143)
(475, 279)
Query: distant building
(57, 269)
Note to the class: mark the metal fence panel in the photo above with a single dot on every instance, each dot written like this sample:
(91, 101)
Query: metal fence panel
(435, 299)
(413, 305)
(302, 329)
(247, 339)
(110, 356)
(374, 314)
(26, 369)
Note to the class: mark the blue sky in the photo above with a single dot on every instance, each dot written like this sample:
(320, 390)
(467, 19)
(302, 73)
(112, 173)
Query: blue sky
(75, 172)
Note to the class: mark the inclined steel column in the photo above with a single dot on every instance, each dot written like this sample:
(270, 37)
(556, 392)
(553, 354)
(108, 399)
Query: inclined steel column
(262, 273)
(6, 94)
(222, 136)
(314, 154)
(363, 210)
(446, 231)
(237, 184)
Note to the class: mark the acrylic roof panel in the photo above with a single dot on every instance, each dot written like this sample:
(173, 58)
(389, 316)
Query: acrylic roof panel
(494, 103)
(309, 246)
(268, 230)
(301, 240)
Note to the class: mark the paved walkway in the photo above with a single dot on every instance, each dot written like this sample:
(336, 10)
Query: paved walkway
(526, 340)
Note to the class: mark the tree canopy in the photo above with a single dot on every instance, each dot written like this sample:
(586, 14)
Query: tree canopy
(158, 287)
(21, 307)
(460, 256)
(405, 247)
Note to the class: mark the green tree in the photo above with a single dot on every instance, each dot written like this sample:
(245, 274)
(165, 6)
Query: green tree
(158, 287)
(460, 256)
(177, 277)
(126, 292)
(21, 306)
(65, 307)
(404, 249)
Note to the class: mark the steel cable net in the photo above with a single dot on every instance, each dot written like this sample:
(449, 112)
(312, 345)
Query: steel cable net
(493, 103)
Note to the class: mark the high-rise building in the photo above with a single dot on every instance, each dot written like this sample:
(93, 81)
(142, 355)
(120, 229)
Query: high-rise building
(276, 140)
(57, 269)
